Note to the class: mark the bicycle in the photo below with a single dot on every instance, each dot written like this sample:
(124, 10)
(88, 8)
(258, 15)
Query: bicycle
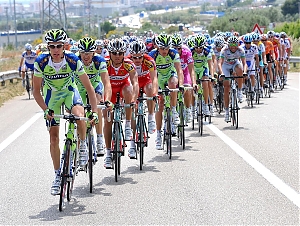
(281, 76)
(219, 100)
(27, 82)
(199, 106)
(233, 105)
(167, 119)
(69, 160)
(267, 83)
(181, 126)
(141, 133)
(249, 92)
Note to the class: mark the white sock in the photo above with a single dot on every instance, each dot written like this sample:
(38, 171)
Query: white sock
(150, 117)
(100, 137)
(132, 143)
(108, 150)
(128, 123)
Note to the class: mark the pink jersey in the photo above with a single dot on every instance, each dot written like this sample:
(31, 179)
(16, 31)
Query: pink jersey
(186, 58)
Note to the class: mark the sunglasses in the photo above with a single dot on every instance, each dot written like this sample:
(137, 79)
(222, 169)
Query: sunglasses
(117, 53)
(264, 40)
(99, 48)
(86, 53)
(247, 42)
(199, 47)
(52, 46)
(178, 48)
(233, 44)
(164, 48)
(137, 57)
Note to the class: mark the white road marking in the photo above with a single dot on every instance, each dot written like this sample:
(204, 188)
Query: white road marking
(285, 189)
(290, 87)
(19, 131)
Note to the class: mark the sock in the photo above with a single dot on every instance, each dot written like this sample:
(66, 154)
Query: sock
(100, 137)
(108, 150)
(128, 123)
(132, 143)
(56, 172)
(252, 88)
(150, 117)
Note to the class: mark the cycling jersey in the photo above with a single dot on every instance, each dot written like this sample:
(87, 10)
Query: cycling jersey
(104, 53)
(250, 57)
(59, 85)
(97, 66)
(119, 77)
(165, 65)
(186, 59)
(231, 60)
(276, 45)
(261, 49)
(201, 62)
(144, 69)
(29, 59)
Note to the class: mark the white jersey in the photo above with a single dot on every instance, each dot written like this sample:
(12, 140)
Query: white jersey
(104, 53)
(230, 57)
(251, 52)
(29, 58)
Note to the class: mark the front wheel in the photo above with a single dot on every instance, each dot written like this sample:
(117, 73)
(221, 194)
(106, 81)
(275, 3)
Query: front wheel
(90, 162)
(169, 134)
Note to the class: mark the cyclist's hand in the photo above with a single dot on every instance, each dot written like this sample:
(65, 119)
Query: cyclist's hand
(181, 88)
(48, 114)
(109, 105)
(195, 86)
(19, 69)
(258, 69)
(94, 118)
(245, 74)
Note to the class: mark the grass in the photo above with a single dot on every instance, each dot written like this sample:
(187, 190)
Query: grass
(10, 60)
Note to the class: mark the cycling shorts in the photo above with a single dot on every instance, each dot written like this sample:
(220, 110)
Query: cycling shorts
(98, 90)
(163, 80)
(227, 67)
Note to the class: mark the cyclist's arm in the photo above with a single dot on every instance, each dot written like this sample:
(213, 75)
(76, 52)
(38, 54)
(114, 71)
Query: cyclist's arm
(134, 81)
(220, 62)
(245, 67)
(191, 68)
(21, 62)
(256, 60)
(210, 66)
(178, 68)
(90, 90)
(107, 86)
(153, 76)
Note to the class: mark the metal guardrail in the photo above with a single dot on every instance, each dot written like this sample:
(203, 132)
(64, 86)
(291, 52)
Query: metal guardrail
(9, 75)
(294, 59)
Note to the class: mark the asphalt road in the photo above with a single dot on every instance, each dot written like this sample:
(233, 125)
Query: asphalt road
(248, 176)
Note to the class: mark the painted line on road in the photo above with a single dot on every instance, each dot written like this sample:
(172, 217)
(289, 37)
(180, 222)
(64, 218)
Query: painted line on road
(285, 189)
(19, 131)
(289, 87)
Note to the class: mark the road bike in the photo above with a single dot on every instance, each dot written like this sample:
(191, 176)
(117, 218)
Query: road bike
(141, 132)
(69, 161)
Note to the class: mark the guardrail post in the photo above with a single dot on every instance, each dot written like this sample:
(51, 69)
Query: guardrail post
(3, 83)
(11, 80)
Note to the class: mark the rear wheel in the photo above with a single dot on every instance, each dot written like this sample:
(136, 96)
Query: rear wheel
(116, 150)
(200, 115)
(90, 162)
(28, 85)
(169, 134)
(141, 140)
(181, 125)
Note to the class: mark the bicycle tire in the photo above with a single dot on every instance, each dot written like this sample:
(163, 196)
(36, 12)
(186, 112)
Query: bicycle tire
(169, 134)
(116, 150)
(193, 119)
(64, 175)
(200, 115)
(90, 162)
(28, 86)
(233, 107)
(74, 173)
(220, 99)
(181, 126)
(141, 140)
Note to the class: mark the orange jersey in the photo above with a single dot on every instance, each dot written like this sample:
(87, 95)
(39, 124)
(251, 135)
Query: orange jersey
(119, 75)
(269, 47)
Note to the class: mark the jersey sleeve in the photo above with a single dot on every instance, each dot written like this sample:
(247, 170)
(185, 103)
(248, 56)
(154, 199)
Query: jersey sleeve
(79, 68)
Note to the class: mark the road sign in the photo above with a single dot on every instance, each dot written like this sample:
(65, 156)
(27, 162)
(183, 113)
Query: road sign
(257, 29)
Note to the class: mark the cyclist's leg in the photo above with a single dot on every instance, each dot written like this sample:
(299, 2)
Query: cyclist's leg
(99, 126)
(238, 69)
(172, 83)
(127, 93)
(151, 105)
(226, 83)
(205, 85)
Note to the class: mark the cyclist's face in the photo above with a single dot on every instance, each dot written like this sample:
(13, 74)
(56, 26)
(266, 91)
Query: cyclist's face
(99, 50)
(117, 57)
(56, 50)
(199, 49)
(163, 51)
(233, 47)
(86, 57)
(179, 49)
(137, 59)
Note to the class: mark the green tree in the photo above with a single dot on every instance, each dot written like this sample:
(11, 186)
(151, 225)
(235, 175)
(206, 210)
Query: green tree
(290, 7)
(107, 26)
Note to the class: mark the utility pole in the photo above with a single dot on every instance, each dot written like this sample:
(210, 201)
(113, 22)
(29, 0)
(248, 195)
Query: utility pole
(15, 25)
(7, 27)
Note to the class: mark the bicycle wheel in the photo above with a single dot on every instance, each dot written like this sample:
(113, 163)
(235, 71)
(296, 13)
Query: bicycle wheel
(181, 126)
(169, 134)
(141, 140)
(220, 99)
(65, 184)
(200, 115)
(116, 150)
(193, 118)
(28, 86)
(234, 116)
(73, 172)
(90, 162)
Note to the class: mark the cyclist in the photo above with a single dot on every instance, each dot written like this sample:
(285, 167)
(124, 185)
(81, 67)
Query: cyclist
(100, 48)
(123, 79)
(95, 67)
(270, 56)
(28, 58)
(187, 65)
(147, 78)
(277, 50)
(169, 73)
(57, 68)
(230, 59)
(286, 47)
(149, 44)
(203, 68)
(252, 60)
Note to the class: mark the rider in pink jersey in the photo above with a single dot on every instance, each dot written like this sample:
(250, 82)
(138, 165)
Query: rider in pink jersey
(187, 65)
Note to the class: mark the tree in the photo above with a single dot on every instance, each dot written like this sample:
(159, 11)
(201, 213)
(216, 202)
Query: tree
(290, 7)
(107, 26)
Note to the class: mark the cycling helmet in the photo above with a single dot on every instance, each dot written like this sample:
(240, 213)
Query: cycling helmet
(148, 40)
(116, 45)
(176, 40)
(264, 37)
(228, 34)
(99, 42)
(255, 37)
(210, 41)
(236, 34)
(219, 42)
(282, 34)
(248, 38)
(55, 35)
(270, 34)
(28, 46)
(137, 47)
(233, 39)
(74, 48)
(163, 40)
(43, 47)
(190, 43)
(199, 41)
(87, 44)
(206, 35)
(132, 39)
